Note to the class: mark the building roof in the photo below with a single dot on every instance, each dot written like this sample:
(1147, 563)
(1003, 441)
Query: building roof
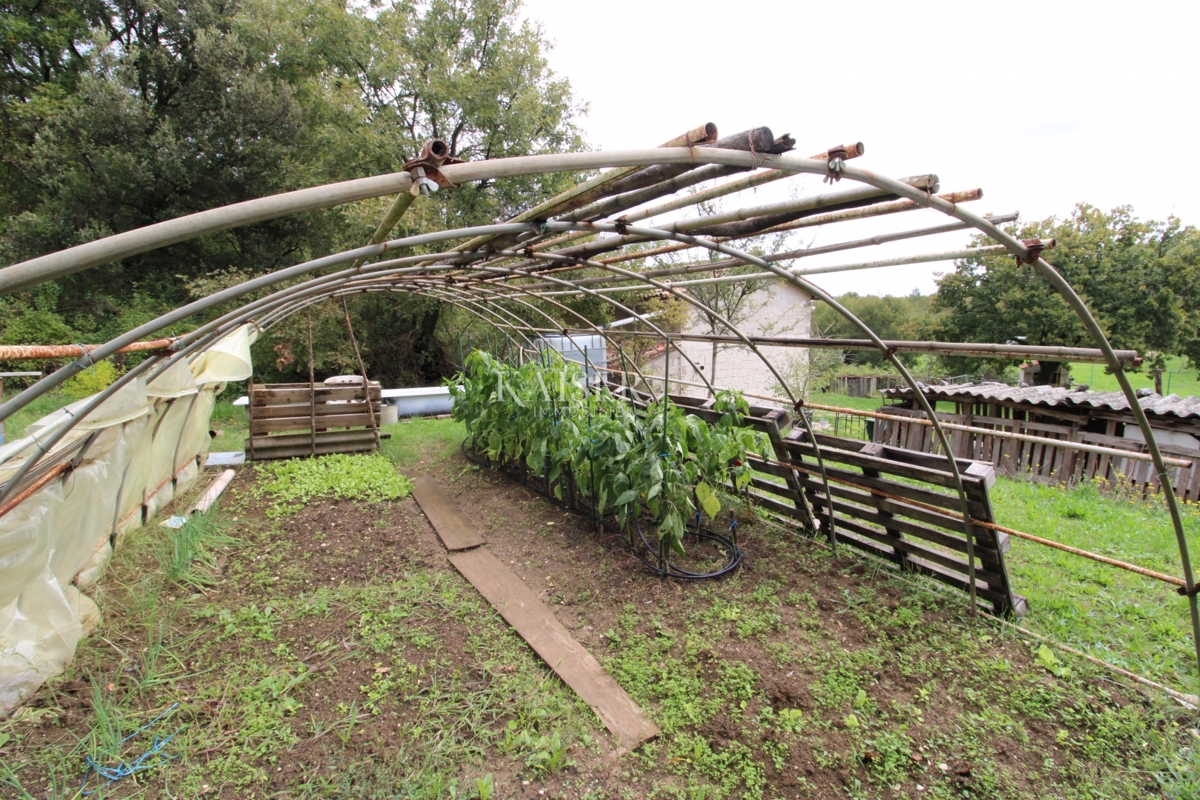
(1057, 397)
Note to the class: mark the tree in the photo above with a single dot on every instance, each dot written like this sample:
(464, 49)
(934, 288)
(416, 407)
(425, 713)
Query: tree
(1140, 279)
(136, 111)
(890, 318)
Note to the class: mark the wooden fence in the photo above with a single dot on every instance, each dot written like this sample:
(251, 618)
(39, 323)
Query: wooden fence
(875, 490)
(1043, 462)
(863, 385)
(330, 419)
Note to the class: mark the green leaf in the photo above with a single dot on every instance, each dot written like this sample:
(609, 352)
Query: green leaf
(708, 499)
(1050, 662)
(626, 497)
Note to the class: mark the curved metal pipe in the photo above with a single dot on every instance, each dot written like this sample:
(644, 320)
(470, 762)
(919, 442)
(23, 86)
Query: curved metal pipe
(178, 315)
(658, 233)
(785, 163)
(407, 273)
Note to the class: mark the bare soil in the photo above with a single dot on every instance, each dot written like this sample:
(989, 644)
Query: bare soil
(900, 692)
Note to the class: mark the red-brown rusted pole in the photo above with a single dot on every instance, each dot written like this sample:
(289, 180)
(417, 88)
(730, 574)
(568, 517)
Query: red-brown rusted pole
(27, 352)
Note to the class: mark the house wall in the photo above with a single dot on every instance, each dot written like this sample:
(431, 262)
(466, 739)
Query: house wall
(781, 309)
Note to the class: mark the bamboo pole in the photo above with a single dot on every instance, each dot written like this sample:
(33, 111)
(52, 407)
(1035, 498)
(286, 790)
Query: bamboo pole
(398, 209)
(980, 349)
(583, 193)
(853, 150)
(746, 221)
(366, 382)
(847, 215)
(795, 254)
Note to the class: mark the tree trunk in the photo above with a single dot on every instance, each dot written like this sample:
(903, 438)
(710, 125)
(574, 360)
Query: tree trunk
(1158, 381)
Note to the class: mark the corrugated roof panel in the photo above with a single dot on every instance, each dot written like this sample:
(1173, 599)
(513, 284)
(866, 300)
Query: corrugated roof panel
(1056, 396)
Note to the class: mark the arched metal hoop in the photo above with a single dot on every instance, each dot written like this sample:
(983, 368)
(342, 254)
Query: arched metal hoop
(75, 259)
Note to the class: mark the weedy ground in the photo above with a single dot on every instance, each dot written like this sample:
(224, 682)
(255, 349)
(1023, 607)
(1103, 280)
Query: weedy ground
(328, 649)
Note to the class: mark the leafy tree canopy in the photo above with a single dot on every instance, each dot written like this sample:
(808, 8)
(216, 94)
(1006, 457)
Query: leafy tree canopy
(122, 113)
(1140, 278)
(890, 317)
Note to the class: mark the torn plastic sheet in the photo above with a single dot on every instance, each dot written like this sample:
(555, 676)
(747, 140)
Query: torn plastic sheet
(228, 359)
(152, 440)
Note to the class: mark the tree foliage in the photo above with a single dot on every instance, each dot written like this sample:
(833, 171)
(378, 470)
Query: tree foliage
(122, 113)
(890, 317)
(1140, 278)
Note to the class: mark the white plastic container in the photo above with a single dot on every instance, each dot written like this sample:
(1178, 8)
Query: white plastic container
(588, 350)
(422, 401)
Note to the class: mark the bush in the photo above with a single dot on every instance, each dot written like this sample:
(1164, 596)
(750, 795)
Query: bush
(95, 378)
(663, 464)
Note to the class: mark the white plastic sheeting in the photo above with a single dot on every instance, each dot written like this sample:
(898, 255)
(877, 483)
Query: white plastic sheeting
(149, 441)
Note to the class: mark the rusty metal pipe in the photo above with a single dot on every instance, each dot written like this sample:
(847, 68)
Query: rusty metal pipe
(1016, 437)
(686, 269)
(29, 352)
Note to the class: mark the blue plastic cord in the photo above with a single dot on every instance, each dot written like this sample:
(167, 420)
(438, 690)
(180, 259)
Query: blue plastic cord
(124, 769)
(85, 353)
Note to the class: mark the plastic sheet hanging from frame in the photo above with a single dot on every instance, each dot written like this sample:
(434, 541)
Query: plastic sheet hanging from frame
(150, 440)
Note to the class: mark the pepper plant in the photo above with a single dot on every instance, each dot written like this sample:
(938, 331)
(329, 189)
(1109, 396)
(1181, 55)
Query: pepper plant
(661, 465)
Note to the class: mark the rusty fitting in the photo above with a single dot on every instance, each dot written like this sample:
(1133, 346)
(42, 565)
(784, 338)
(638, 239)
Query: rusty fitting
(435, 152)
(843, 151)
(1034, 248)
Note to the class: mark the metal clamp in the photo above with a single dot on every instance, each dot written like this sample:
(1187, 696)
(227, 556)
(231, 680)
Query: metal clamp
(835, 168)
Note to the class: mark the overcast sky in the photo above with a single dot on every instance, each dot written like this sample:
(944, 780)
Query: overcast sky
(1041, 104)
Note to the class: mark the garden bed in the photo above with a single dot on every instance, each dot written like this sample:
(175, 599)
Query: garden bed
(337, 653)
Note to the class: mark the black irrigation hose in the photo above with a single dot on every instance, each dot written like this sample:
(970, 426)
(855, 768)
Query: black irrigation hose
(726, 543)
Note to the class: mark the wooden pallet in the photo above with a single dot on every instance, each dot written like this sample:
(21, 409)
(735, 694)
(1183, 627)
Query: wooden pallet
(290, 420)
(914, 539)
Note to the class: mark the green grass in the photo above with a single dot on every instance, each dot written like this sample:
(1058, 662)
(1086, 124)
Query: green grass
(233, 426)
(188, 555)
(843, 424)
(846, 401)
(1184, 382)
(1134, 622)
(14, 426)
(414, 441)
(447, 712)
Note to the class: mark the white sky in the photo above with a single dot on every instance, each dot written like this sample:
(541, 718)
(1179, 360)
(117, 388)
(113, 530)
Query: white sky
(1041, 104)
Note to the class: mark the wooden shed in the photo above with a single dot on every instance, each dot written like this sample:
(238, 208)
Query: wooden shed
(1099, 418)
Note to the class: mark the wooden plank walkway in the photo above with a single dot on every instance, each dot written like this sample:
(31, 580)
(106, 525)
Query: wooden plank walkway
(532, 619)
(455, 531)
(522, 609)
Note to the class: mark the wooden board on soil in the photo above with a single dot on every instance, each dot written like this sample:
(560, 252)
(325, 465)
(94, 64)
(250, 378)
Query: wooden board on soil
(522, 609)
(456, 532)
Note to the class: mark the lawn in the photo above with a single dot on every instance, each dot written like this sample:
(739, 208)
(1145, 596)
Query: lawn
(326, 648)
(1137, 623)
(1177, 379)
(14, 426)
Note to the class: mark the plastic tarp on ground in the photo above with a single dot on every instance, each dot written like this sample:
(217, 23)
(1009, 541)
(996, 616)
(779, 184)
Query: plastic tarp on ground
(139, 448)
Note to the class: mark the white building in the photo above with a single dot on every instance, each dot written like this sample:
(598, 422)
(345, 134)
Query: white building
(779, 309)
